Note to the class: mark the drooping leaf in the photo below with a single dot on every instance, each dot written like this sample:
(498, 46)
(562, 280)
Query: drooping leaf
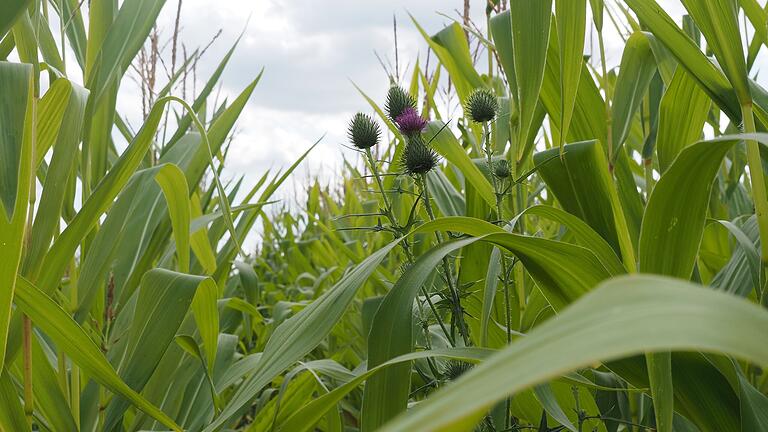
(647, 313)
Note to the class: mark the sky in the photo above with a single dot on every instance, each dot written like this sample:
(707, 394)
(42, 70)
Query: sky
(311, 51)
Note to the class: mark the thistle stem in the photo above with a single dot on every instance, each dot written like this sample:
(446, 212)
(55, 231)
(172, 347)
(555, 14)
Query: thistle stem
(499, 194)
(387, 211)
(375, 170)
(458, 311)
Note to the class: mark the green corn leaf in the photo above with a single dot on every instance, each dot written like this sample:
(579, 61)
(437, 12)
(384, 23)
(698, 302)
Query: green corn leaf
(49, 397)
(501, 30)
(660, 377)
(11, 11)
(311, 413)
(122, 41)
(682, 114)
(99, 201)
(12, 415)
(292, 340)
(563, 271)
(707, 74)
(637, 68)
(16, 174)
(174, 185)
(386, 394)
(198, 239)
(676, 211)
(597, 13)
(64, 102)
(451, 47)
(530, 37)
(163, 301)
(446, 144)
(571, 21)
(71, 338)
(648, 313)
(718, 22)
(588, 120)
(757, 16)
(546, 397)
(489, 293)
(206, 312)
(583, 233)
(582, 184)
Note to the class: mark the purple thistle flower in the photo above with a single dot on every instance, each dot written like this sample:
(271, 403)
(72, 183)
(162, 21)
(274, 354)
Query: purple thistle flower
(410, 122)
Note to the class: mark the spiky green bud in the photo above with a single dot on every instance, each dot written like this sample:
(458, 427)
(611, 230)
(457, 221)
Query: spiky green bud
(363, 131)
(482, 105)
(501, 169)
(398, 100)
(417, 158)
(455, 369)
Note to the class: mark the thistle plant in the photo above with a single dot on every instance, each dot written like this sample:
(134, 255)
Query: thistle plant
(398, 100)
(410, 123)
(482, 108)
(364, 133)
(417, 161)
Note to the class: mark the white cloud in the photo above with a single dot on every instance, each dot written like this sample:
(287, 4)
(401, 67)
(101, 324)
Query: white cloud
(311, 50)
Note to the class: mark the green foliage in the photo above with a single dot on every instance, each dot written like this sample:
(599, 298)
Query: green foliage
(473, 274)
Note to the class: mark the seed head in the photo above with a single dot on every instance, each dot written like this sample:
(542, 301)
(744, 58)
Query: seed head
(482, 105)
(410, 122)
(363, 131)
(417, 158)
(501, 169)
(397, 101)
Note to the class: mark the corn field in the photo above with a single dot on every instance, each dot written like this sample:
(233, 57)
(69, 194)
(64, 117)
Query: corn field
(527, 237)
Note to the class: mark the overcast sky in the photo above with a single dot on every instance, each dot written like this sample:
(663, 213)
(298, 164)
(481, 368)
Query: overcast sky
(311, 51)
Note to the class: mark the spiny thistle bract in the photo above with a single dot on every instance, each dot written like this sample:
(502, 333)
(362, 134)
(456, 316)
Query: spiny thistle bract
(410, 122)
(363, 131)
(501, 169)
(397, 101)
(456, 368)
(417, 158)
(482, 105)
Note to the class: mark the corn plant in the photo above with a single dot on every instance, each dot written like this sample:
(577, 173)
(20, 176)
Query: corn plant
(548, 242)
(557, 191)
(117, 243)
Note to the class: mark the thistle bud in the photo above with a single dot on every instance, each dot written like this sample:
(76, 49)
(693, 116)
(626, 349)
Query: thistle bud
(455, 369)
(410, 122)
(397, 101)
(501, 169)
(363, 131)
(417, 158)
(482, 105)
